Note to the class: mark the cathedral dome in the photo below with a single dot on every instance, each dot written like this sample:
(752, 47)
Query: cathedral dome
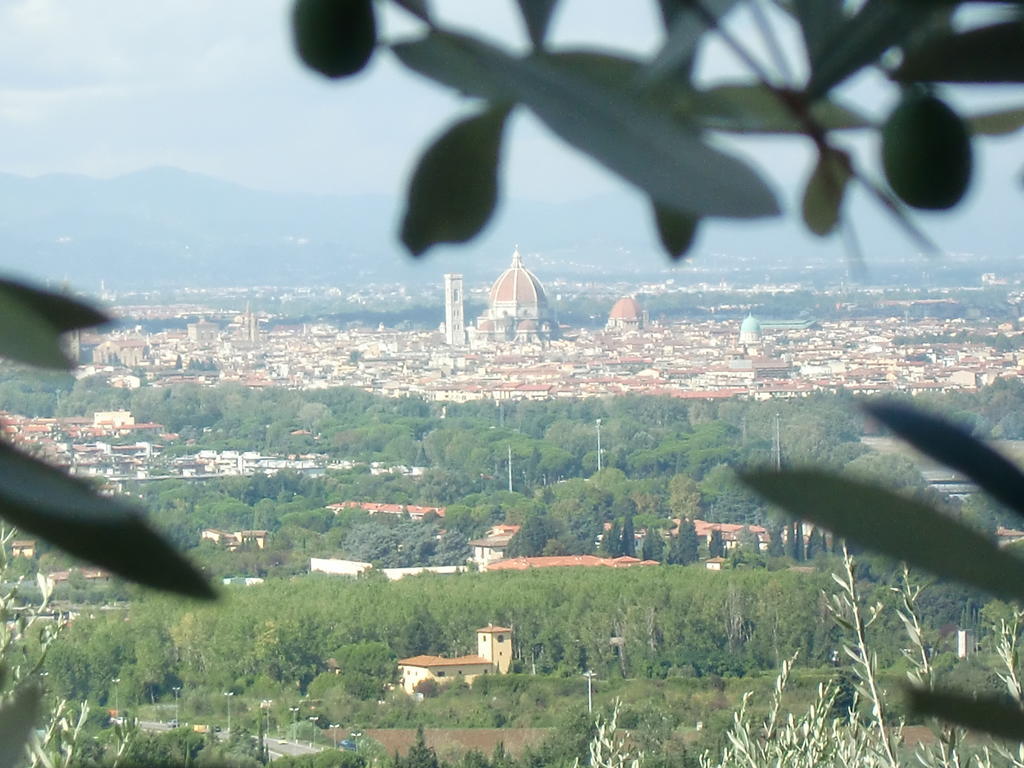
(625, 309)
(517, 286)
(750, 331)
(626, 315)
(517, 308)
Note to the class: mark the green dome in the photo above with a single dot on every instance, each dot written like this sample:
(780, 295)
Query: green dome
(750, 325)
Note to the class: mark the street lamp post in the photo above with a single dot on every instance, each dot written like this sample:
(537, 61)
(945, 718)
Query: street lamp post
(590, 675)
(598, 445)
(117, 699)
(295, 723)
(334, 733)
(266, 704)
(229, 694)
(177, 710)
(312, 725)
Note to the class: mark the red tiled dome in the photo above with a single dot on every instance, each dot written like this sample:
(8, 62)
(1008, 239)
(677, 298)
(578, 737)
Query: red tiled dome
(625, 309)
(517, 285)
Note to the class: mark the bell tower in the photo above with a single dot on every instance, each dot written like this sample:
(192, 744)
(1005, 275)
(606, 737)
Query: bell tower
(495, 644)
(454, 324)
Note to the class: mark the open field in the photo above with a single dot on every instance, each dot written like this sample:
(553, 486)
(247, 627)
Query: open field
(1012, 449)
(449, 742)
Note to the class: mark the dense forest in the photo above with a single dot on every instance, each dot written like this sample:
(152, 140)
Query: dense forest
(279, 636)
(676, 644)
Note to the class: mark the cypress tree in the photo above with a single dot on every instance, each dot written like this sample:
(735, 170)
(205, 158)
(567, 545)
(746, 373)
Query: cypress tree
(775, 547)
(654, 546)
(419, 754)
(716, 547)
(837, 545)
(628, 545)
(684, 547)
(611, 544)
(796, 541)
(812, 546)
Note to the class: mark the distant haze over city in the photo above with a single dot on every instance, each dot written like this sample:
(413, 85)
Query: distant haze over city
(142, 99)
(165, 227)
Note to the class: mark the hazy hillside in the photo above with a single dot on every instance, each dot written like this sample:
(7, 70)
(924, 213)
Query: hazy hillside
(165, 226)
(170, 227)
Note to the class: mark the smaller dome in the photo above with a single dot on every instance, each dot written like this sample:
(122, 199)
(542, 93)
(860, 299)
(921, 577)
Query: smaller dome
(625, 309)
(750, 325)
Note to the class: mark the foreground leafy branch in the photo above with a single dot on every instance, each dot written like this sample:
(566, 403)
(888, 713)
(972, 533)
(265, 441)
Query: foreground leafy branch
(912, 531)
(650, 123)
(45, 501)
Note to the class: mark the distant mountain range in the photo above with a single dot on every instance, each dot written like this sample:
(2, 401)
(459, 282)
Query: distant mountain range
(166, 227)
(169, 227)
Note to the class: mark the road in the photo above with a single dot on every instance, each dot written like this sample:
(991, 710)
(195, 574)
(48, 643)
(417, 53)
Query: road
(276, 747)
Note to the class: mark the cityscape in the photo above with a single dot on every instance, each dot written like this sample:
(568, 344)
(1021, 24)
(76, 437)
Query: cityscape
(538, 384)
(517, 349)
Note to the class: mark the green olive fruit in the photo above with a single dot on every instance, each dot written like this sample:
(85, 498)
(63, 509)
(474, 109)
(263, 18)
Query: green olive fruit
(334, 37)
(926, 152)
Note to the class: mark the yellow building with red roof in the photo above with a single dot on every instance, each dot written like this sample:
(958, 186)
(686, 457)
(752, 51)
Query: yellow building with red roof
(494, 656)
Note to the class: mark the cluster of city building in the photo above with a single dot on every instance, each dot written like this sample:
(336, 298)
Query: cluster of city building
(113, 446)
(516, 349)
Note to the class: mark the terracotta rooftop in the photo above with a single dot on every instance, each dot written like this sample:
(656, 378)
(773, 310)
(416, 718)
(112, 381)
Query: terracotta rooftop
(492, 628)
(441, 661)
(565, 561)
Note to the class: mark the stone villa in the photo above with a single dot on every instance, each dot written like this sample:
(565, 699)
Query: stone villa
(493, 656)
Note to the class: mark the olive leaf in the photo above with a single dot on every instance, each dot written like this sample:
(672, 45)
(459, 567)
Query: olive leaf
(454, 189)
(998, 123)
(892, 525)
(956, 448)
(860, 40)
(537, 15)
(676, 230)
(32, 321)
(685, 27)
(995, 715)
(18, 715)
(28, 335)
(44, 501)
(755, 108)
(992, 54)
(823, 195)
(634, 137)
(817, 18)
(63, 312)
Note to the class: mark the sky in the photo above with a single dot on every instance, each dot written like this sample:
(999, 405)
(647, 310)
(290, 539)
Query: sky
(106, 87)
(103, 87)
